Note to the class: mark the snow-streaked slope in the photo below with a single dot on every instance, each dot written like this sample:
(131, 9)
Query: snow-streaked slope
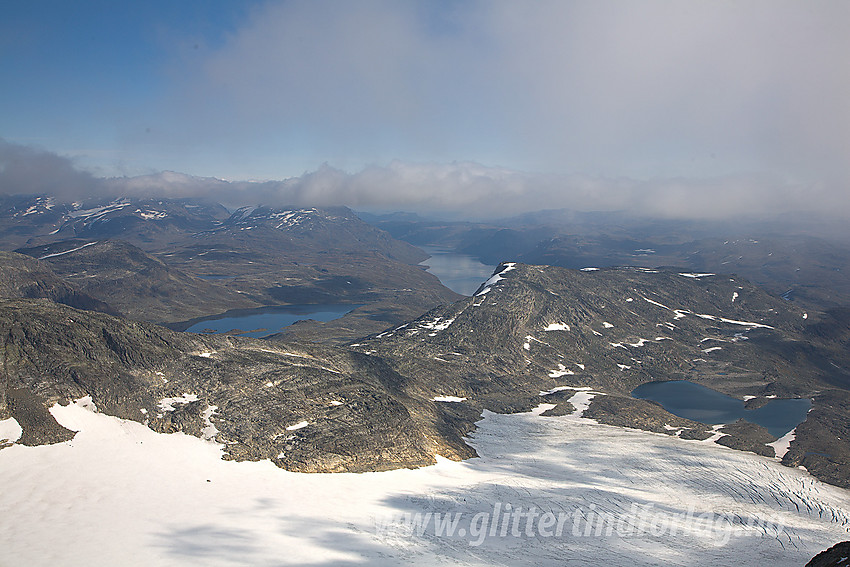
(119, 494)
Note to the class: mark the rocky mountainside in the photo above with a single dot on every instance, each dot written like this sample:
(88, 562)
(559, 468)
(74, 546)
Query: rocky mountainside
(536, 333)
(305, 407)
(531, 334)
(803, 259)
(25, 277)
(162, 225)
(308, 256)
(326, 229)
(804, 269)
(836, 556)
(25, 217)
(149, 223)
(139, 285)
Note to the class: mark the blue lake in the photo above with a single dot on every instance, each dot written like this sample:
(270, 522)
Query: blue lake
(694, 401)
(459, 272)
(264, 321)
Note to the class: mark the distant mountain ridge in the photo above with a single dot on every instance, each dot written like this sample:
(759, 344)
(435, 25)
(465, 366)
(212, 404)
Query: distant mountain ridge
(138, 284)
(170, 260)
(152, 224)
(803, 258)
(22, 277)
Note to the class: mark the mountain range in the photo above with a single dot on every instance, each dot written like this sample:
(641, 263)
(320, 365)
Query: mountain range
(94, 295)
(169, 261)
(802, 259)
(413, 391)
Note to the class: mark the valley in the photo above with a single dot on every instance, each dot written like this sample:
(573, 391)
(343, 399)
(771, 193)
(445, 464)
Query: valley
(335, 284)
(309, 340)
(799, 258)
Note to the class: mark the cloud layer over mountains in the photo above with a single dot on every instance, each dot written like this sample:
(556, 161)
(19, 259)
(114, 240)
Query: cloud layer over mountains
(698, 109)
(463, 189)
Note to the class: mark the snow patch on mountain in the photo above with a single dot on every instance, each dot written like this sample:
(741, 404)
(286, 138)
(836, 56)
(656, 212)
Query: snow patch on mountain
(152, 215)
(10, 431)
(449, 399)
(781, 445)
(98, 212)
(67, 251)
(495, 278)
(561, 371)
(655, 303)
(745, 323)
(555, 390)
(209, 431)
(581, 401)
(436, 325)
(167, 404)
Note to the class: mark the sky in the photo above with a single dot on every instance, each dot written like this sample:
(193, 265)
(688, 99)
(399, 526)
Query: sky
(672, 107)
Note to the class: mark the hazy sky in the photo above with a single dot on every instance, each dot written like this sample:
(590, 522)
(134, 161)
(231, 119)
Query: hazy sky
(617, 100)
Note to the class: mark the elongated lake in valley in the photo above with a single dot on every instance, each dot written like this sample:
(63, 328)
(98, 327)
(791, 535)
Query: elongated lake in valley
(460, 273)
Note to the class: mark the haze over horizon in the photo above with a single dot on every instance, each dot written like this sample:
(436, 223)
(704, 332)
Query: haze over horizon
(685, 110)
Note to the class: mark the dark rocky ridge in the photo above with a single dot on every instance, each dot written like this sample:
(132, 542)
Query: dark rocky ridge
(139, 285)
(836, 556)
(359, 414)
(623, 411)
(325, 229)
(614, 329)
(27, 278)
(32, 220)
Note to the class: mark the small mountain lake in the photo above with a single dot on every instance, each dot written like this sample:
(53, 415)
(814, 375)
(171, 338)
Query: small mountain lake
(694, 401)
(263, 321)
(460, 273)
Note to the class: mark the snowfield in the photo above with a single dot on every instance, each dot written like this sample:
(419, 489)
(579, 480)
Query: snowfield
(120, 494)
(10, 431)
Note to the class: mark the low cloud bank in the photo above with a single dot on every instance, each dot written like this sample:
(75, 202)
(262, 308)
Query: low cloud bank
(463, 189)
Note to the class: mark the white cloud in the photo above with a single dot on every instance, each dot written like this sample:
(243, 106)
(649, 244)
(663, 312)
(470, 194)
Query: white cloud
(475, 191)
(461, 188)
(641, 89)
(27, 170)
